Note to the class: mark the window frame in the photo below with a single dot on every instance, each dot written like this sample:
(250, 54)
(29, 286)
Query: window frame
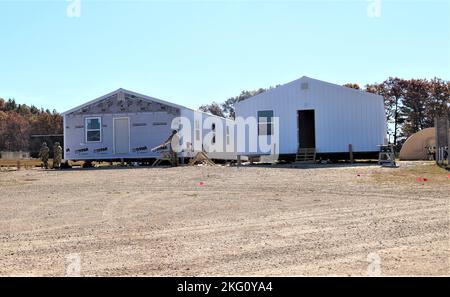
(268, 121)
(86, 130)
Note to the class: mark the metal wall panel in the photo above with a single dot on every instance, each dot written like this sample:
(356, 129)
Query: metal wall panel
(343, 116)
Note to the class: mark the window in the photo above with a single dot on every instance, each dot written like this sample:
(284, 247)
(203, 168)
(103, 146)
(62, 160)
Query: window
(228, 135)
(93, 129)
(265, 122)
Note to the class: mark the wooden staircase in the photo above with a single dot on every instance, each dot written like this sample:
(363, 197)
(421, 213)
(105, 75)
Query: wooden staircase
(306, 155)
(201, 158)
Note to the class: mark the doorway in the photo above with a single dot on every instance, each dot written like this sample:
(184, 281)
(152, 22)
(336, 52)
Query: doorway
(121, 135)
(306, 129)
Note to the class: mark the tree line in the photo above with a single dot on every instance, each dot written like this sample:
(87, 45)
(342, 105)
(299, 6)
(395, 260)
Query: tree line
(411, 104)
(18, 122)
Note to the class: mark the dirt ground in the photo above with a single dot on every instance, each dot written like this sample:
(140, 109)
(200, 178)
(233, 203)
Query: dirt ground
(264, 221)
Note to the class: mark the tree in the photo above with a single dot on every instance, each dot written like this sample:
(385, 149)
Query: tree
(438, 103)
(19, 121)
(412, 105)
(352, 86)
(227, 107)
(16, 132)
(3, 121)
(213, 108)
(392, 90)
(23, 109)
(10, 105)
(413, 108)
(34, 109)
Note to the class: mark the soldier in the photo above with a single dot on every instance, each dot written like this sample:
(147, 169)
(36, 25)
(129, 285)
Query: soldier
(43, 154)
(57, 156)
(174, 143)
(430, 153)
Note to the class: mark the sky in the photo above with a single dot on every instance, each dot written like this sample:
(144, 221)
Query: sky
(196, 52)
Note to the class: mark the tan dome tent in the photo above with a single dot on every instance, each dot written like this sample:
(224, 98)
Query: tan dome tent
(414, 147)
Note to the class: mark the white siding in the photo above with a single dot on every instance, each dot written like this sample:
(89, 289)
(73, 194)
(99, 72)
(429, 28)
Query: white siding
(148, 128)
(343, 116)
(149, 135)
(192, 115)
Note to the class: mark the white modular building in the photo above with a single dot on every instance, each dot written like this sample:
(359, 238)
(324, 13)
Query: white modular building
(127, 125)
(314, 114)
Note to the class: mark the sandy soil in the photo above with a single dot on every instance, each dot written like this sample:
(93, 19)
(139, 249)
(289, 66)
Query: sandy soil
(240, 221)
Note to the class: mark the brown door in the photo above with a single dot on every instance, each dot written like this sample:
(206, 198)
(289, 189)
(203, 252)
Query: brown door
(306, 129)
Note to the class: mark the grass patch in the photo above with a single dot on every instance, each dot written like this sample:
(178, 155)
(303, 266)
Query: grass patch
(430, 171)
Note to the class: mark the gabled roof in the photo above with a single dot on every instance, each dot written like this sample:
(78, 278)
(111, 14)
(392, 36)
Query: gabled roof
(340, 86)
(145, 97)
(309, 78)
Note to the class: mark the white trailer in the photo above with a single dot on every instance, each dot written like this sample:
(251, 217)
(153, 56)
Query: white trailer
(127, 125)
(319, 115)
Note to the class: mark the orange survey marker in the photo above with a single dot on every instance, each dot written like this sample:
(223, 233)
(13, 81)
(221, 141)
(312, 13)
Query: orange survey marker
(422, 179)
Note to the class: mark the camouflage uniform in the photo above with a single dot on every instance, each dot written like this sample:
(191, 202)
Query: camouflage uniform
(430, 153)
(57, 155)
(43, 154)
